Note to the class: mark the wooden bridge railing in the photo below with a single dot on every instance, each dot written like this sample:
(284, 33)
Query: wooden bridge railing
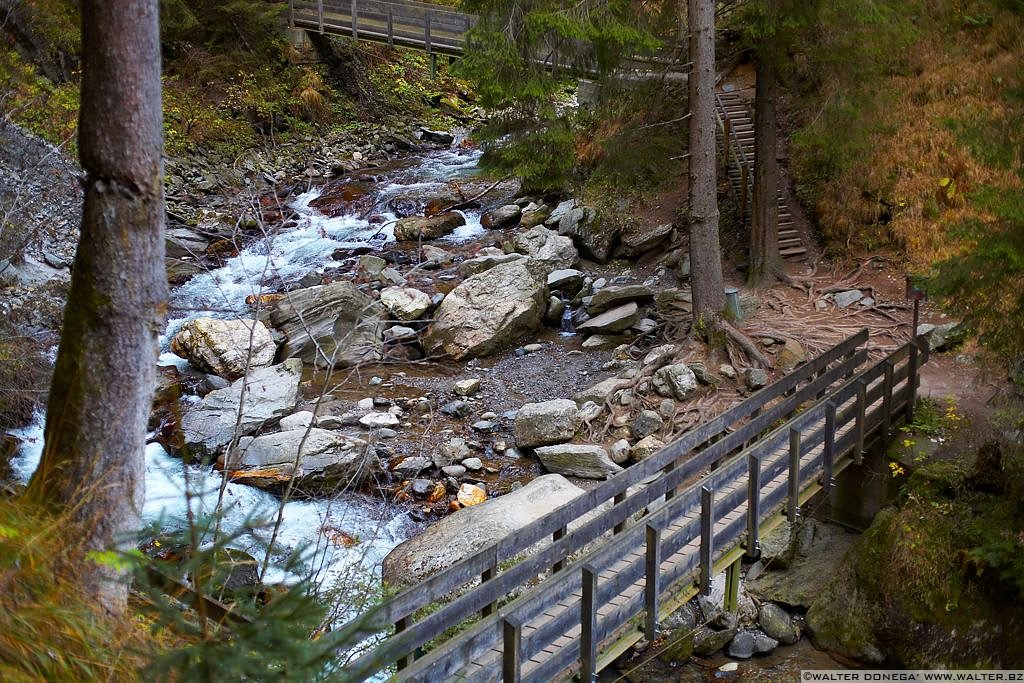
(478, 582)
(434, 28)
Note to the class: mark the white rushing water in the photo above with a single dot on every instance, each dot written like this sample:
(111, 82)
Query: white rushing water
(317, 526)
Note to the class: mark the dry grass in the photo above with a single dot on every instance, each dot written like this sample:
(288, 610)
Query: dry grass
(50, 629)
(916, 181)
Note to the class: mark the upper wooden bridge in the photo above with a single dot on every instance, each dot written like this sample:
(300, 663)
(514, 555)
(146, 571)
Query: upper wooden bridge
(662, 529)
(433, 28)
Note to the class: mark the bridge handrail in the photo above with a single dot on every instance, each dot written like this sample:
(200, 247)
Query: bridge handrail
(455, 577)
(444, 661)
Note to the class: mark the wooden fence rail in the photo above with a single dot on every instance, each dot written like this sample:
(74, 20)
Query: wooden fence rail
(827, 412)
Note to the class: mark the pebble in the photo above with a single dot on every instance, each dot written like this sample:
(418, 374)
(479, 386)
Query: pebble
(376, 420)
(365, 404)
(489, 416)
(533, 348)
(520, 352)
(456, 409)
(454, 470)
(473, 464)
(485, 426)
(422, 487)
(376, 381)
(386, 433)
(467, 387)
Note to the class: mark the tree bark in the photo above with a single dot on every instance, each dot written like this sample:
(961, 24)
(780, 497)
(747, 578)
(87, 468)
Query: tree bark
(705, 252)
(93, 459)
(765, 260)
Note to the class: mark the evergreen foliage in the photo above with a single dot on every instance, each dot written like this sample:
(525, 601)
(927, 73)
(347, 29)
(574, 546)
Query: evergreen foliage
(518, 56)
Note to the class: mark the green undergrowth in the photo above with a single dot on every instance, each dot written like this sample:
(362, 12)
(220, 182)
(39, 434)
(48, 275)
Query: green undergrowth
(231, 79)
(947, 563)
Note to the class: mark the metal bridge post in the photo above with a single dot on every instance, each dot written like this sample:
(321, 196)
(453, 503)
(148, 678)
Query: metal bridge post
(512, 641)
(753, 506)
(862, 400)
(588, 624)
(707, 525)
(391, 27)
(732, 585)
(793, 507)
(355, 20)
(652, 583)
(828, 452)
(291, 13)
(320, 14)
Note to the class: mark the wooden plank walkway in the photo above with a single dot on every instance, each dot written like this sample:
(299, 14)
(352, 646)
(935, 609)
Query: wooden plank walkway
(736, 135)
(663, 524)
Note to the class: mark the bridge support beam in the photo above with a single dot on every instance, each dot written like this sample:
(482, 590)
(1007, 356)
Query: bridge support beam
(793, 507)
(753, 507)
(732, 585)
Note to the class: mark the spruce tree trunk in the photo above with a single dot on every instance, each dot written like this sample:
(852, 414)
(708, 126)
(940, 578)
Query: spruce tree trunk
(705, 253)
(765, 260)
(92, 466)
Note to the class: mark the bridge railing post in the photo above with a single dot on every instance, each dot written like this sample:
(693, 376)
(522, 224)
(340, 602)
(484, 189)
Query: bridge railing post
(426, 33)
(887, 397)
(753, 506)
(391, 27)
(588, 625)
(291, 13)
(558, 535)
(511, 646)
(828, 450)
(401, 625)
(707, 527)
(355, 21)
(320, 15)
(861, 425)
(793, 506)
(652, 582)
(618, 499)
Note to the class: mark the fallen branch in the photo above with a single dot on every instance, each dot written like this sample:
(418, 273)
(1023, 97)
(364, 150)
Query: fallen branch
(469, 201)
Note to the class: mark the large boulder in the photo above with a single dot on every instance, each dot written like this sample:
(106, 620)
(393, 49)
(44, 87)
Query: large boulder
(419, 228)
(330, 325)
(577, 460)
(405, 303)
(321, 462)
(469, 530)
(541, 424)
(548, 250)
(270, 393)
(224, 347)
(580, 223)
(487, 311)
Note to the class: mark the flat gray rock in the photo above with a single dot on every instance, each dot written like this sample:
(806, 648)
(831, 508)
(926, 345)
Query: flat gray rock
(577, 460)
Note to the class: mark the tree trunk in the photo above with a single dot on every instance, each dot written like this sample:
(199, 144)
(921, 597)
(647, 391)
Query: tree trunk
(765, 260)
(705, 253)
(92, 465)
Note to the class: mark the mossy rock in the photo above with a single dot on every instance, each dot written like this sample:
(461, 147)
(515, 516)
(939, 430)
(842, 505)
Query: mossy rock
(678, 647)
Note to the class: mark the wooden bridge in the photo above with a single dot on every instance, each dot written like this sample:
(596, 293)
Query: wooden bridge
(433, 28)
(736, 132)
(663, 528)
